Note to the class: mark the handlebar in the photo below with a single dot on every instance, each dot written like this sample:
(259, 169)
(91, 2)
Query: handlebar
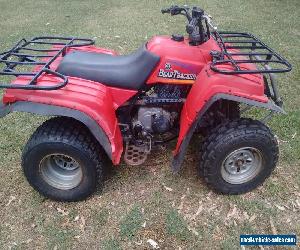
(173, 10)
(176, 10)
(195, 28)
(164, 11)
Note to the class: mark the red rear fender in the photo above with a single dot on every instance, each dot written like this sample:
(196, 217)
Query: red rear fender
(93, 100)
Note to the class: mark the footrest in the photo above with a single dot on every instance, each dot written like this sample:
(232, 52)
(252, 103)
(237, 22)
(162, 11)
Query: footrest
(135, 155)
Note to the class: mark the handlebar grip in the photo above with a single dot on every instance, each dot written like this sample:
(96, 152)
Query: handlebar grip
(164, 11)
(173, 10)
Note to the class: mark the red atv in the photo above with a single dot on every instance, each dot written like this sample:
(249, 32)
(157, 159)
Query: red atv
(108, 105)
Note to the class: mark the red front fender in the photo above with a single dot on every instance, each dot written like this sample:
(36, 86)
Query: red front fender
(209, 87)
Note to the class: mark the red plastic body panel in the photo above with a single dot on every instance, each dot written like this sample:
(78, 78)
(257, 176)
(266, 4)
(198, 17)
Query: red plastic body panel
(94, 99)
(180, 63)
(186, 60)
(182, 58)
(208, 84)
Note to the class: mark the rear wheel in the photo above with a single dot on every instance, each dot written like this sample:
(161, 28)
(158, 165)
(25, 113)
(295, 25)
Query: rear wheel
(238, 156)
(63, 161)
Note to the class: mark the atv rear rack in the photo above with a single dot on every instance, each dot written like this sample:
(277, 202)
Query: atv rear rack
(245, 48)
(40, 53)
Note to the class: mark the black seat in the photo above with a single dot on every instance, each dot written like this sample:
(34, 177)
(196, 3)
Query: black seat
(129, 72)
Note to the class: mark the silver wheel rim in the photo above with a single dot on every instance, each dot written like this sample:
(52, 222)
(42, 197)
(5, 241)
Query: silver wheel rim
(61, 171)
(241, 165)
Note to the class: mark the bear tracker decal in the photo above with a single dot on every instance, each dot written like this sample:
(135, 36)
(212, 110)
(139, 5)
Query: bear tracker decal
(176, 76)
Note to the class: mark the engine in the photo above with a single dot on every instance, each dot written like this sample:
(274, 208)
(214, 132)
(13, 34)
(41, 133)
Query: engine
(154, 120)
(159, 111)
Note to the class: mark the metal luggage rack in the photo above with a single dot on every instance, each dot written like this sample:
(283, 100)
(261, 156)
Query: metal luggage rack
(33, 53)
(250, 50)
(246, 48)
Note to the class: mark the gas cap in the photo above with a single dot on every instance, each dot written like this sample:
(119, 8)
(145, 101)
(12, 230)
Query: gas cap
(177, 37)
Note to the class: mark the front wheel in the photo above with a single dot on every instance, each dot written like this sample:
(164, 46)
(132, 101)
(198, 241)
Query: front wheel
(63, 161)
(238, 156)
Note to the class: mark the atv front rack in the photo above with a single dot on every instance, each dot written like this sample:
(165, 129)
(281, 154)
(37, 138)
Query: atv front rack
(242, 48)
(239, 49)
(33, 59)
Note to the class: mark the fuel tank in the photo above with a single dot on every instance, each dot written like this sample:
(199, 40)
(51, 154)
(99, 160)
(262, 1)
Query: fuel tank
(180, 62)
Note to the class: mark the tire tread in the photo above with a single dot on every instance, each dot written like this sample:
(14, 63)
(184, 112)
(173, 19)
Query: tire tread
(217, 134)
(70, 131)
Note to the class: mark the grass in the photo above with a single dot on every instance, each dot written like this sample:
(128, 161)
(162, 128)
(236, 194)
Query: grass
(176, 226)
(100, 218)
(111, 244)
(135, 206)
(131, 223)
